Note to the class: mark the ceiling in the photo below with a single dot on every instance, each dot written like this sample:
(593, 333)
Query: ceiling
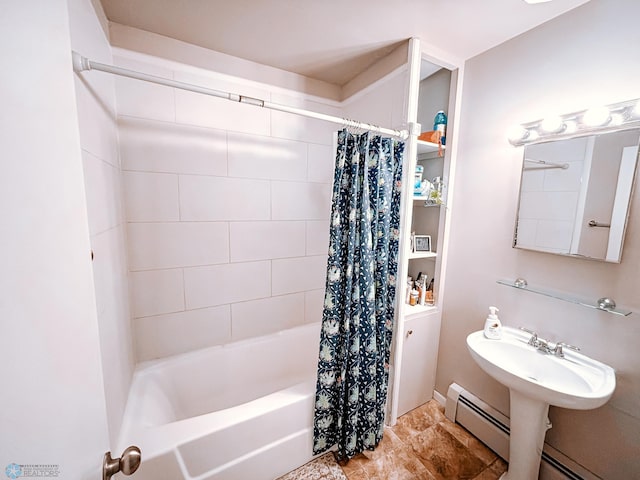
(334, 40)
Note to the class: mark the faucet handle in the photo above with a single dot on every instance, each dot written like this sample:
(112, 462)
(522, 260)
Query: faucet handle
(557, 351)
(534, 336)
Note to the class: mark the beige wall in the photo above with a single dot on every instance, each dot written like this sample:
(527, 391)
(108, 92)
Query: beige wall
(53, 409)
(582, 58)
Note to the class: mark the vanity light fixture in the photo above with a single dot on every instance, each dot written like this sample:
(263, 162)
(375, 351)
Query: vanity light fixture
(616, 119)
(518, 134)
(553, 124)
(596, 117)
(617, 116)
(570, 126)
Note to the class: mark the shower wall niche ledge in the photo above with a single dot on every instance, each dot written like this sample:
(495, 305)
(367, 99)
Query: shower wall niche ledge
(564, 296)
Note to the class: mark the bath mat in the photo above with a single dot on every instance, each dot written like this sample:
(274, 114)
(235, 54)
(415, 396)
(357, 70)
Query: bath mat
(322, 468)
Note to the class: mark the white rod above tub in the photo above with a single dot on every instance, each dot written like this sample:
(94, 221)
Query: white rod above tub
(81, 64)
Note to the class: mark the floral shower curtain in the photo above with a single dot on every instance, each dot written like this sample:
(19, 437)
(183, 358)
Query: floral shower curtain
(357, 322)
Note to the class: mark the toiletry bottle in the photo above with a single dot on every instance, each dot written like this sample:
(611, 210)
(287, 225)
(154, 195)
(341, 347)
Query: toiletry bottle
(409, 287)
(492, 326)
(423, 290)
(413, 299)
(440, 125)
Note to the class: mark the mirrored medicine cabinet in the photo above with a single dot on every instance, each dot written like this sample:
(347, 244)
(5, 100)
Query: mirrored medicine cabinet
(575, 195)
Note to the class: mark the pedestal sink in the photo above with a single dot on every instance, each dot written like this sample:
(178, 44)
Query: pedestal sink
(535, 381)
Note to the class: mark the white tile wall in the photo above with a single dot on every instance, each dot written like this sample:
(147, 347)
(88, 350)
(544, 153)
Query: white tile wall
(97, 125)
(155, 246)
(554, 235)
(564, 180)
(317, 237)
(266, 240)
(165, 335)
(269, 315)
(533, 180)
(103, 191)
(300, 201)
(136, 98)
(197, 109)
(156, 291)
(229, 283)
(313, 304)
(299, 274)
(151, 197)
(221, 198)
(109, 274)
(549, 205)
(152, 146)
(527, 232)
(228, 209)
(112, 303)
(321, 163)
(541, 223)
(252, 156)
(294, 127)
(96, 119)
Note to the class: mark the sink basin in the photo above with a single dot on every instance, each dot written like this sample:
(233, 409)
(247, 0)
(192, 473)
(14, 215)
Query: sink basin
(575, 381)
(537, 380)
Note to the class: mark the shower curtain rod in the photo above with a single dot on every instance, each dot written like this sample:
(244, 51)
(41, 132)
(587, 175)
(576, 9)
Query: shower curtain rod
(81, 64)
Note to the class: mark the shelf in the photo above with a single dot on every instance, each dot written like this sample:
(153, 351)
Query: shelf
(566, 297)
(413, 255)
(426, 199)
(415, 310)
(427, 147)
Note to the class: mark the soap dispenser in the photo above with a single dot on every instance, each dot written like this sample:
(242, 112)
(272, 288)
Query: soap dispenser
(492, 326)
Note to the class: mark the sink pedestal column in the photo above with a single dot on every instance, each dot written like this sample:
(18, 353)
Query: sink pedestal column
(529, 425)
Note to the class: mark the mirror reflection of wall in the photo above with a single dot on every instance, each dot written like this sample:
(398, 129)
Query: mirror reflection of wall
(575, 195)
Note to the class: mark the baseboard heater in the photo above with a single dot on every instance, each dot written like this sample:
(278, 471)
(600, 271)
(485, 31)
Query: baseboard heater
(492, 428)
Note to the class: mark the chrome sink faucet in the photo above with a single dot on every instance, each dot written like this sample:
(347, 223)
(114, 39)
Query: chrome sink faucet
(557, 351)
(546, 346)
(534, 341)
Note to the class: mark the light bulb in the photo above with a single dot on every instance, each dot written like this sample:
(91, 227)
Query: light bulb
(533, 135)
(517, 134)
(596, 117)
(553, 124)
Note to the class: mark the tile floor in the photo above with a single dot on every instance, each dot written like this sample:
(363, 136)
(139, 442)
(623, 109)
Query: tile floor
(425, 445)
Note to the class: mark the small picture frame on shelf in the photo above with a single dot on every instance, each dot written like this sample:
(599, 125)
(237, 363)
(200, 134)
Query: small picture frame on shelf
(421, 243)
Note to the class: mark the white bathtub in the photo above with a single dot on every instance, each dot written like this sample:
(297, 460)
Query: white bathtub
(233, 412)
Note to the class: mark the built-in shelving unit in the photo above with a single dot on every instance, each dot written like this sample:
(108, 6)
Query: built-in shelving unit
(431, 88)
